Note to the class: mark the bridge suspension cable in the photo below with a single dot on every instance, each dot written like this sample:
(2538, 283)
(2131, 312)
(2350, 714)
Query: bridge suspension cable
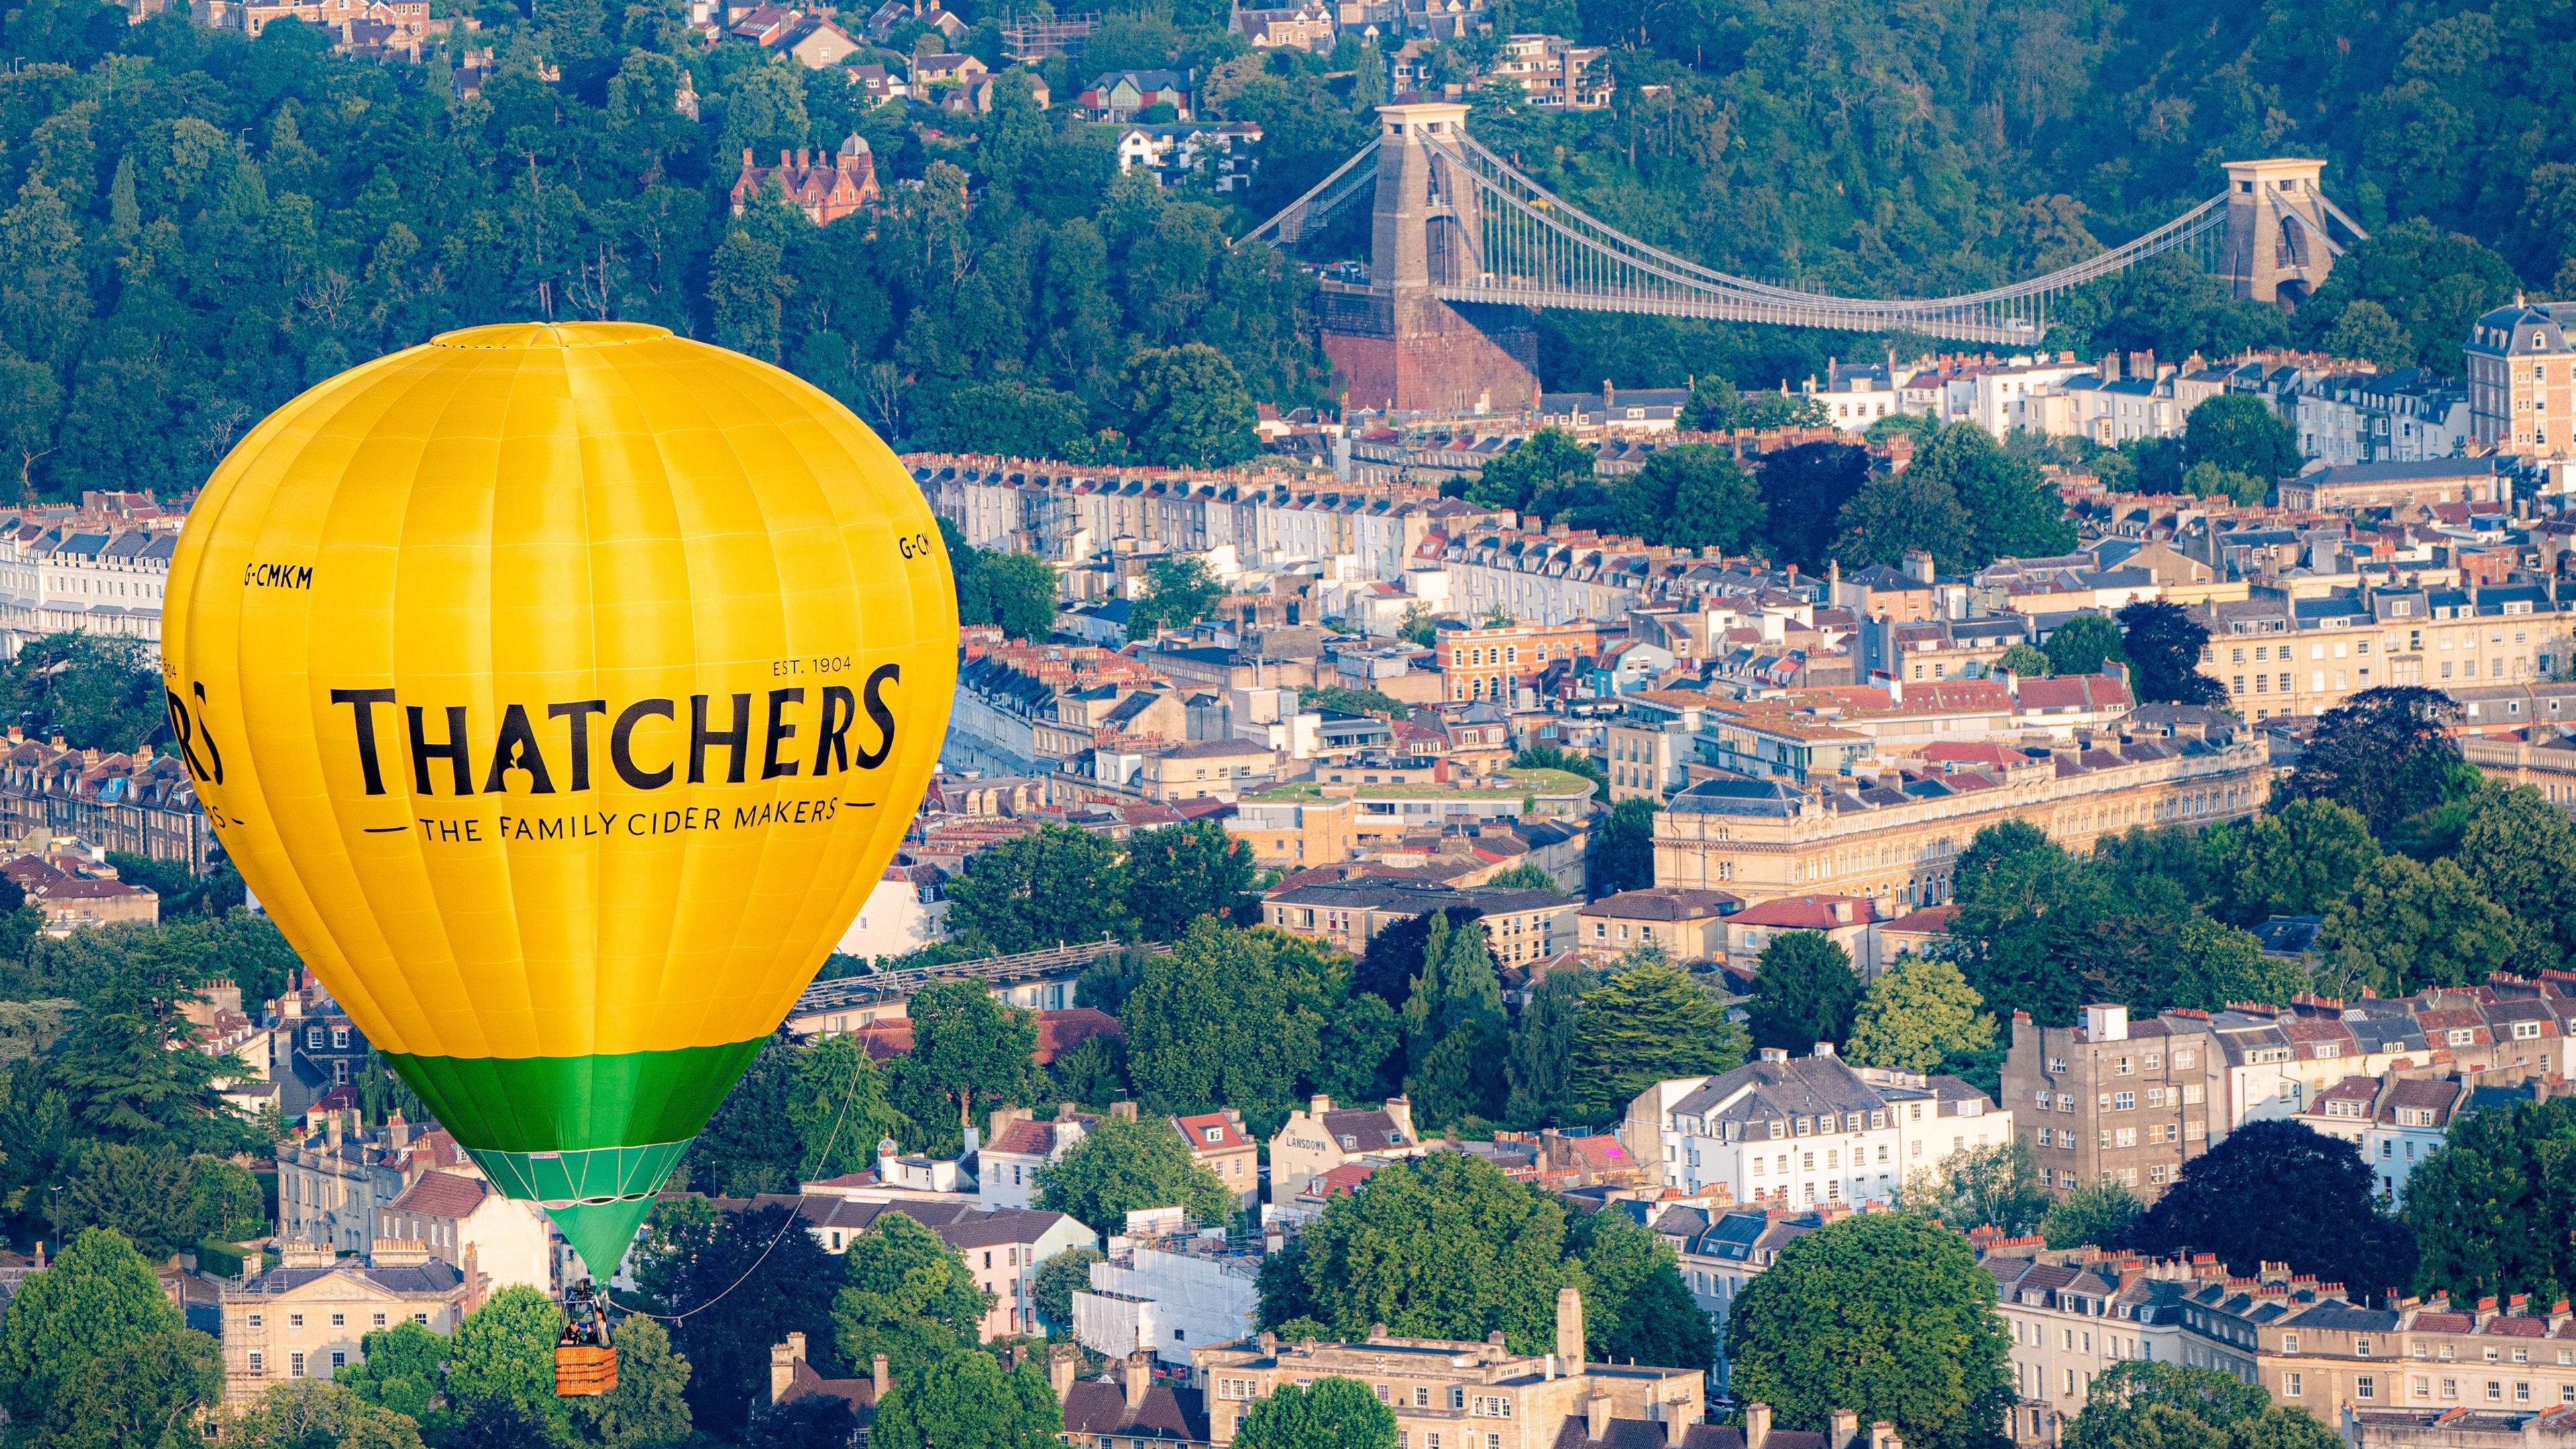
(1500, 237)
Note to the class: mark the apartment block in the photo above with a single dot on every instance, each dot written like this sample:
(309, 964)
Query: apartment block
(2112, 1099)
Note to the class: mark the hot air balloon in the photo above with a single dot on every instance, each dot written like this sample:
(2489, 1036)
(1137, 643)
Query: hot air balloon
(561, 690)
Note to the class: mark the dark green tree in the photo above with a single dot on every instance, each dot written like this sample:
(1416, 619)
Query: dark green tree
(2240, 432)
(1017, 591)
(97, 690)
(1229, 1018)
(2493, 1209)
(1803, 491)
(2277, 1192)
(2012, 511)
(1443, 1246)
(1031, 892)
(1540, 1068)
(2162, 644)
(2386, 752)
(746, 1280)
(1894, 514)
(2302, 860)
(2410, 926)
(752, 1145)
(1644, 1024)
(1637, 1309)
(1804, 992)
(970, 1053)
(1621, 855)
(1885, 1314)
(1178, 873)
(1187, 406)
(1548, 469)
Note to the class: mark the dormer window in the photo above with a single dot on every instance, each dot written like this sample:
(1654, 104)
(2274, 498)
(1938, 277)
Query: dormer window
(1350, 1143)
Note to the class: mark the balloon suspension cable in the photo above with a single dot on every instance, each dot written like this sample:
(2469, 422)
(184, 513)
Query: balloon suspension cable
(830, 1145)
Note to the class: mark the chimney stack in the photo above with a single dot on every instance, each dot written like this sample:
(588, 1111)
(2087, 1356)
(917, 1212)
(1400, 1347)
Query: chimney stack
(1677, 1421)
(1596, 1413)
(1757, 1425)
(1569, 1330)
(1140, 1377)
(783, 1359)
(1882, 1435)
(1845, 1430)
(1061, 1363)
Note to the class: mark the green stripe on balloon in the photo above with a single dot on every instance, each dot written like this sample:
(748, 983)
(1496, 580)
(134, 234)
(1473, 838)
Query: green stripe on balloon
(590, 1139)
(556, 1104)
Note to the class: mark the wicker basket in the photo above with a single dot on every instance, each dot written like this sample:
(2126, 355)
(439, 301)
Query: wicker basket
(584, 1370)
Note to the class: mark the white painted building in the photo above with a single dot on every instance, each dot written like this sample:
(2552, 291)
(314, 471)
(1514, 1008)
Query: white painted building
(902, 914)
(460, 1219)
(2396, 1121)
(1175, 1297)
(1806, 1131)
(83, 580)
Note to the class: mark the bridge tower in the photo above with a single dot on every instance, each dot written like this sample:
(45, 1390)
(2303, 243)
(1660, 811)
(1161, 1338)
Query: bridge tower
(2276, 229)
(1395, 345)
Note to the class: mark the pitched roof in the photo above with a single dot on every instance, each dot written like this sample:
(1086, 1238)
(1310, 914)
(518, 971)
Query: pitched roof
(1098, 1407)
(442, 1195)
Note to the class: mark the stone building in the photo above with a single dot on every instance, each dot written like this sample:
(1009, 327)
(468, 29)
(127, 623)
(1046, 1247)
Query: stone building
(2113, 1099)
(1897, 837)
(309, 1316)
(2522, 380)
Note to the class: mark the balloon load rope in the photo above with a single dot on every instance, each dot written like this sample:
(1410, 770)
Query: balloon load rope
(831, 1144)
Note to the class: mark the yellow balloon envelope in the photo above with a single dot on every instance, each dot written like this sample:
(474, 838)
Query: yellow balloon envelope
(562, 690)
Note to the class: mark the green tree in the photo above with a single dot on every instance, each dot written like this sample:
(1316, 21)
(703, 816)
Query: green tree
(1996, 1184)
(967, 1400)
(747, 1280)
(1187, 406)
(97, 1299)
(1804, 992)
(2097, 1214)
(1059, 1278)
(303, 1413)
(1458, 983)
(837, 1103)
(1018, 592)
(1548, 467)
(1231, 1018)
(402, 1370)
(970, 1053)
(1012, 419)
(143, 1395)
(1636, 1306)
(2493, 1209)
(905, 1294)
(1573, 762)
(1093, 1074)
(1641, 1026)
(2012, 511)
(1178, 873)
(2240, 432)
(504, 1352)
(2083, 644)
(752, 1144)
(1894, 514)
(1540, 1068)
(1121, 1165)
(2409, 926)
(1443, 1246)
(1330, 1413)
(2216, 965)
(2433, 281)
(2386, 752)
(1919, 1013)
(162, 1199)
(2366, 331)
(2026, 661)
(650, 1403)
(2162, 643)
(2211, 480)
(1886, 1314)
(1027, 893)
(1346, 700)
(1524, 877)
(1180, 590)
(2277, 1192)
(2302, 860)
(1692, 495)
(2146, 1405)
(30, 404)
(2519, 850)
(1621, 855)
(98, 690)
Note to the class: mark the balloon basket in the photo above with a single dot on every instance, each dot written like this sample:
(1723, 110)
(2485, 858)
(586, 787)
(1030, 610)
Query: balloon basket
(584, 1370)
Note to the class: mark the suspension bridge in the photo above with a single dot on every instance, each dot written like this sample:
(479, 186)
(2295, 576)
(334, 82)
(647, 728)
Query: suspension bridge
(1465, 247)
